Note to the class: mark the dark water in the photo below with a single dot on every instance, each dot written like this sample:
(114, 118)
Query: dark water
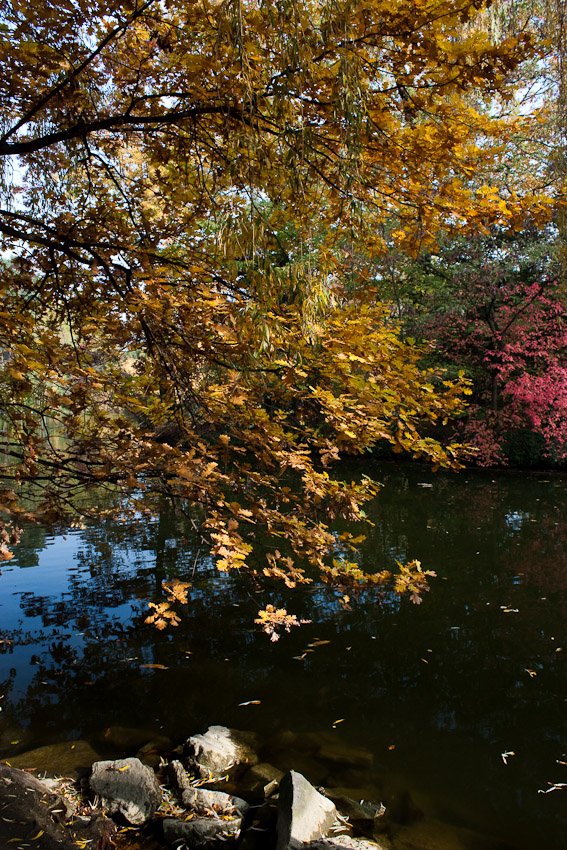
(437, 692)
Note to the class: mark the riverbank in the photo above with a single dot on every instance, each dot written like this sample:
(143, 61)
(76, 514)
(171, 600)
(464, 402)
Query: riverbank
(215, 790)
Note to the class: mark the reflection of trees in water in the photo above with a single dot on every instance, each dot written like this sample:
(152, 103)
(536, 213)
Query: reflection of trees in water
(514, 523)
(472, 700)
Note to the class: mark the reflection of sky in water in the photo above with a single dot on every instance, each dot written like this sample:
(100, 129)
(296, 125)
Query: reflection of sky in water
(516, 519)
(445, 681)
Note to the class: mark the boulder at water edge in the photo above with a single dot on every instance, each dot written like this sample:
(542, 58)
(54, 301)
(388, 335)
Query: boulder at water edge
(33, 816)
(127, 787)
(213, 802)
(220, 751)
(199, 830)
(346, 842)
(304, 815)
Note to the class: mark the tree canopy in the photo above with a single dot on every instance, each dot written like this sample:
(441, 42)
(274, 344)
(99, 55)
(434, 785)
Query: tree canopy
(186, 189)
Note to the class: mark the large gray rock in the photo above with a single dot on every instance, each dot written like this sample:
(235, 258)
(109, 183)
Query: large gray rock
(198, 831)
(212, 802)
(304, 815)
(35, 815)
(127, 787)
(220, 751)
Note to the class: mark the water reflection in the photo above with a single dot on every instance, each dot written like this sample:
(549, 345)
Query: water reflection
(437, 692)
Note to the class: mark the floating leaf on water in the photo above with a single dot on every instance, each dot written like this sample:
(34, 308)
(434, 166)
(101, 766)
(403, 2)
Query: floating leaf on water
(554, 786)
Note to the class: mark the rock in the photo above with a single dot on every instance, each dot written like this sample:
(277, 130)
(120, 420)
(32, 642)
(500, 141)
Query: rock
(280, 742)
(342, 754)
(125, 738)
(34, 816)
(258, 831)
(212, 802)
(198, 831)
(432, 834)
(127, 787)
(219, 751)
(403, 810)
(304, 815)
(261, 781)
(152, 752)
(64, 759)
(346, 842)
(177, 777)
(314, 770)
(352, 777)
(363, 815)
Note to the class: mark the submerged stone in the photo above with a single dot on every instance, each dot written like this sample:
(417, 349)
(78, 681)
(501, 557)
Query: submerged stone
(262, 780)
(63, 759)
(343, 754)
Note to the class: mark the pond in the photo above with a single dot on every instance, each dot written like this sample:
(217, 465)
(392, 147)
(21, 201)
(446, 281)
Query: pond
(461, 700)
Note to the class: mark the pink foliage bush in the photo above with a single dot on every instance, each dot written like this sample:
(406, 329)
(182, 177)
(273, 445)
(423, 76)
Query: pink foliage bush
(512, 339)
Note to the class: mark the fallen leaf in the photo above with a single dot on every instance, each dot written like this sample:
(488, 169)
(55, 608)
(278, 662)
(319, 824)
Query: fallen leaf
(554, 787)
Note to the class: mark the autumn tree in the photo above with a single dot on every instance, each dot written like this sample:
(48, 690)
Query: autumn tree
(184, 188)
(493, 307)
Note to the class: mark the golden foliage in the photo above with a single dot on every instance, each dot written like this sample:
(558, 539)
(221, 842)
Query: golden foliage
(271, 619)
(181, 311)
(163, 616)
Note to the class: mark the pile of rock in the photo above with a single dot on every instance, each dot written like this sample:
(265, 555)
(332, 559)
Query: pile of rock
(215, 791)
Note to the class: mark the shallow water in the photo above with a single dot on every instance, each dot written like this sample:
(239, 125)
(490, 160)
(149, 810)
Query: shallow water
(437, 692)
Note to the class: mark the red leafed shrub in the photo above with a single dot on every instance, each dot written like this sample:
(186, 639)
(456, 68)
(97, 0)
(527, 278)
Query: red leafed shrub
(512, 339)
